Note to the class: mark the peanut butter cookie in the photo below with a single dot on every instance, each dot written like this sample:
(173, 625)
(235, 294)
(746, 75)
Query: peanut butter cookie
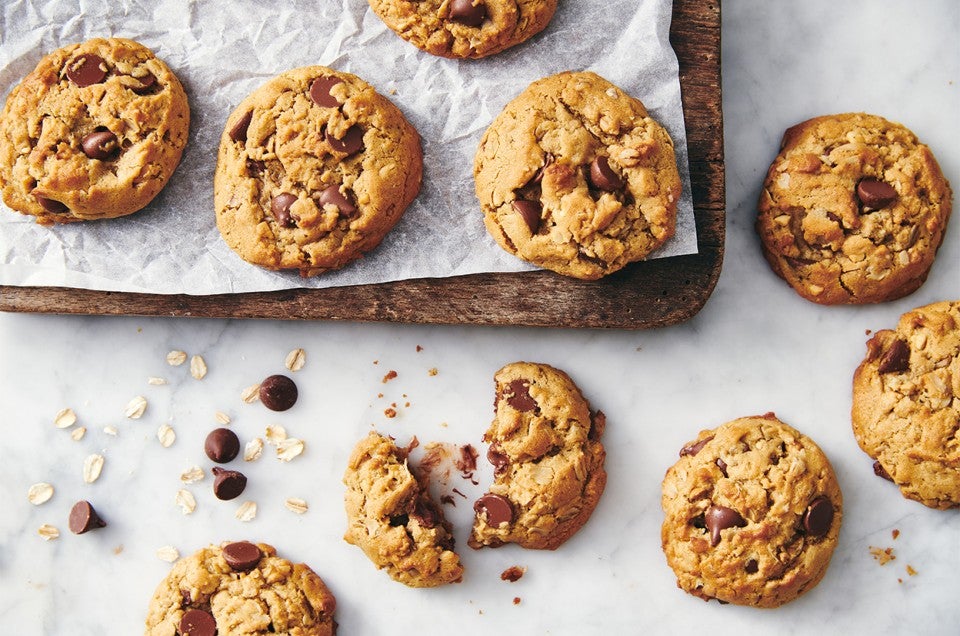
(93, 132)
(853, 210)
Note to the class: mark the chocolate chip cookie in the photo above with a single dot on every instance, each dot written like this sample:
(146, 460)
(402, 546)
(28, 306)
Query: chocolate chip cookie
(853, 210)
(94, 131)
(548, 460)
(906, 404)
(576, 177)
(391, 517)
(241, 588)
(315, 167)
(465, 28)
(753, 511)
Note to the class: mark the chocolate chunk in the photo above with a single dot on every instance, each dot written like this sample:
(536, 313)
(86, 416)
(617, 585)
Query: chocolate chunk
(496, 508)
(519, 396)
(222, 445)
(351, 142)
(538, 178)
(228, 484)
(752, 566)
(875, 194)
(147, 83)
(399, 520)
(84, 518)
(196, 622)
(722, 465)
(278, 393)
(425, 514)
(530, 212)
(332, 196)
(818, 517)
(280, 208)
(896, 359)
(86, 70)
(320, 92)
(238, 132)
(498, 458)
(468, 13)
(51, 205)
(880, 471)
(603, 177)
(100, 144)
(241, 556)
(719, 518)
(695, 447)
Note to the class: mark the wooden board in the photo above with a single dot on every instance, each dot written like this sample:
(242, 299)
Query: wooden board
(650, 294)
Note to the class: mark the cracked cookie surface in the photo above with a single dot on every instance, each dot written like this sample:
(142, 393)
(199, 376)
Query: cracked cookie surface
(548, 460)
(94, 131)
(241, 588)
(576, 177)
(752, 513)
(906, 404)
(314, 168)
(853, 210)
(465, 28)
(391, 517)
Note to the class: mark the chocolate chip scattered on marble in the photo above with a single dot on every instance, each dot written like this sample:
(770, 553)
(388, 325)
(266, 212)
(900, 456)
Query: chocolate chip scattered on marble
(278, 392)
(228, 484)
(83, 518)
(222, 445)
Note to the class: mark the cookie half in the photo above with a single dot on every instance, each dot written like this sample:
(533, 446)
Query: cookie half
(853, 210)
(548, 460)
(241, 588)
(93, 132)
(465, 28)
(391, 517)
(752, 513)
(576, 177)
(314, 168)
(906, 404)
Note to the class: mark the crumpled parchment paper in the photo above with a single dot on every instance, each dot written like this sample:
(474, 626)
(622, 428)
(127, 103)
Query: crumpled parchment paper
(222, 51)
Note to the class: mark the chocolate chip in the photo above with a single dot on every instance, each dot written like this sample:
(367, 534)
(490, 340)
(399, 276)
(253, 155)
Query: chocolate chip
(147, 83)
(399, 520)
(425, 514)
(238, 132)
(222, 445)
(818, 517)
(530, 212)
(278, 393)
(695, 447)
(498, 458)
(547, 161)
(84, 518)
(752, 566)
(875, 194)
(228, 484)
(100, 144)
(496, 508)
(722, 465)
(519, 396)
(280, 208)
(51, 205)
(320, 92)
(880, 471)
(241, 556)
(196, 622)
(351, 142)
(332, 196)
(896, 359)
(603, 177)
(468, 13)
(719, 518)
(86, 70)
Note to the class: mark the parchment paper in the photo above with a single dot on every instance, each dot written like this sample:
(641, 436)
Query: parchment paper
(222, 51)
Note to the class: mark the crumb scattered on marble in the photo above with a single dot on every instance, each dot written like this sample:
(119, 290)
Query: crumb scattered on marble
(516, 600)
(882, 555)
(513, 573)
(895, 533)
(391, 374)
(390, 412)
(910, 570)
(432, 371)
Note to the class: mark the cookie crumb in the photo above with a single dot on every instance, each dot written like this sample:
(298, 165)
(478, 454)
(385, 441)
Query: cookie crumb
(118, 549)
(910, 570)
(419, 348)
(895, 533)
(432, 371)
(390, 413)
(516, 600)
(882, 555)
(513, 573)
(391, 374)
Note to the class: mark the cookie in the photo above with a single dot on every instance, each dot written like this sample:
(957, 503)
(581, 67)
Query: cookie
(752, 513)
(391, 517)
(853, 210)
(241, 588)
(93, 132)
(465, 28)
(314, 168)
(906, 404)
(576, 177)
(548, 460)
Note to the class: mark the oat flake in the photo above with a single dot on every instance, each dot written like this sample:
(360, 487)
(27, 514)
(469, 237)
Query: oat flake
(275, 434)
(136, 407)
(168, 553)
(251, 394)
(198, 368)
(295, 359)
(192, 475)
(186, 501)
(65, 418)
(297, 505)
(48, 532)
(247, 511)
(78, 433)
(110, 430)
(253, 450)
(166, 435)
(289, 448)
(40, 493)
(155, 381)
(92, 466)
(176, 358)
(222, 418)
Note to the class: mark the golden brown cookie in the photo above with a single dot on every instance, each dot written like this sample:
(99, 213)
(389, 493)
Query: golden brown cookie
(465, 28)
(548, 460)
(94, 131)
(752, 513)
(853, 210)
(391, 517)
(575, 176)
(241, 588)
(315, 167)
(906, 404)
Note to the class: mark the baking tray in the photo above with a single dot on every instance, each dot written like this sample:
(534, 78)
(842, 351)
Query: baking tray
(648, 294)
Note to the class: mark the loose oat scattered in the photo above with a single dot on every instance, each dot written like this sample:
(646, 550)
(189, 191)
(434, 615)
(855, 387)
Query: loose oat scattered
(251, 394)
(198, 368)
(295, 359)
(275, 434)
(186, 501)
(40, 493)
(222, 418)
(247, 511)
(92, 466)
(136, 407)
(176, 358)
(192, 475)
(168, 553)
(155, 381)
(253, 450)
(48, 532)
(166, 435)
(65, 418)
(78, 433)
(295, 504)
(289, 448)
(110, 430)
(432, 372)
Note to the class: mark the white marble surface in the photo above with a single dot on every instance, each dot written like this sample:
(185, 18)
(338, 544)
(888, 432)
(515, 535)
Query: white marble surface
(755, 347)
